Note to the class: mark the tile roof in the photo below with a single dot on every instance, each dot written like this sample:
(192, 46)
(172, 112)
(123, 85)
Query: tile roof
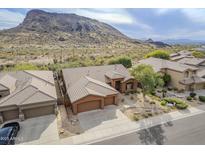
(88, 86)
(72, 75)
(9, 82)
(192, 61)
(159, 64)
(84, 81)
(30, 89)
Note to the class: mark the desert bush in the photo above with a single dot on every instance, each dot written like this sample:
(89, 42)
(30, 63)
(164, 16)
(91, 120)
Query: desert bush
(135, 117)
(189, 98)
(158, 54)
(125, 61)
(163, 102)
(202, 98)
(179, 103)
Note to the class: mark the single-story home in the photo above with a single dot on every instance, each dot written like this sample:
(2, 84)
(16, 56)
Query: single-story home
(90, 88)
(26, 94)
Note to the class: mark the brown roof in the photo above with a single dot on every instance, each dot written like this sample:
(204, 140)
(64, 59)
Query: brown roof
(30, 88)
(72, 75)
(159, 64)
(88, 86)
(83, 81)
(192, 61)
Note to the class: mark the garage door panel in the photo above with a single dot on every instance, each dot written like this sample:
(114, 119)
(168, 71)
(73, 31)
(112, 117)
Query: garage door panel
(39, 111)
(10, 115)
(109, 101)
(87, 106)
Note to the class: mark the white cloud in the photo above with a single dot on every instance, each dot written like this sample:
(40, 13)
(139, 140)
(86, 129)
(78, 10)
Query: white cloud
(9, 19)
(195, 15)
(164, 11)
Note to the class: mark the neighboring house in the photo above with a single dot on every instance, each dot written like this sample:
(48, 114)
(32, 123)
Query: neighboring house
(180, 55)
(89, 88)
(197, 62)
(26, 94)
(183, 77)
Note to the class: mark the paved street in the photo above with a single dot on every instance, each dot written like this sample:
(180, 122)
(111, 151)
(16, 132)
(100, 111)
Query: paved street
(189, 130)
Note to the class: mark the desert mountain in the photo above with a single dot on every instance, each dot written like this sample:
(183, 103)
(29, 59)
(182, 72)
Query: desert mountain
(158, 44)
(41, 28)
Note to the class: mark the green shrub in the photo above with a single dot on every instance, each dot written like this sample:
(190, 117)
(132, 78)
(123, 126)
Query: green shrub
(189, 98)
(167, 79)
(135, 117)
(181, 106)
(192, 94)
(179, 103)
(158, 54)
(125, 61)
(163, 102)
(202, 98)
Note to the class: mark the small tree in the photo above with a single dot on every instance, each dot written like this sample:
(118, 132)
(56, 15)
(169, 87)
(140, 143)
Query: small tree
(158, 54)
(125, 61)
(148, 79)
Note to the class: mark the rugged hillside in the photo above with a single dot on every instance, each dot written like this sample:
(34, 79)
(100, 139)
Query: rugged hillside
(158, 44)
(40, 27)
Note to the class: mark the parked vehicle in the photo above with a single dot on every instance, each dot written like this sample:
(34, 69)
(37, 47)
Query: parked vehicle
(8, 133)
(12, 124)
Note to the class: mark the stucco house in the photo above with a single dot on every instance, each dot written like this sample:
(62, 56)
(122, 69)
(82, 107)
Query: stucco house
(180, 55)
(183, 77)
(90, 88)
(26, 94)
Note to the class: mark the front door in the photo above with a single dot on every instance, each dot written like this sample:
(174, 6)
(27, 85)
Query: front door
(118, 85)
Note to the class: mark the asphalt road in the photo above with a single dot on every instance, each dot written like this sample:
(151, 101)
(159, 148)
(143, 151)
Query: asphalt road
(187, 131)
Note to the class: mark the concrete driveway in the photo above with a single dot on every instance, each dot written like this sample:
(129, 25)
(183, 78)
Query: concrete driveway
(40, 130)
(102, 119)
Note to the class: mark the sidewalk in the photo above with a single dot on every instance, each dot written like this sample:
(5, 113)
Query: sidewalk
(129, 127)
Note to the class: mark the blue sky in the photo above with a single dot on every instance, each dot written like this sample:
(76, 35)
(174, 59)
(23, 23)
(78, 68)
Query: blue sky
(158, 24)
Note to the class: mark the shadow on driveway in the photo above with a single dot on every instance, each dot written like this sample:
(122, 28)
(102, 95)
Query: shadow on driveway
(155, 134)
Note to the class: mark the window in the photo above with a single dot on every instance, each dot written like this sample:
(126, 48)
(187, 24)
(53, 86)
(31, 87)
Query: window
(129, 86)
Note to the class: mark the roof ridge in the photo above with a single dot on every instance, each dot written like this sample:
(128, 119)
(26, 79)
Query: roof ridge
(26, 71)
(42, 91)
(12, 95)
(103, 84)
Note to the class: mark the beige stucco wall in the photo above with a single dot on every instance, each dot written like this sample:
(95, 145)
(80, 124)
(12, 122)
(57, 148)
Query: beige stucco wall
(175, 78)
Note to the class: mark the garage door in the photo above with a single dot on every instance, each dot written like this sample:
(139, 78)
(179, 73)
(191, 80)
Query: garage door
(87, 106)
(10, 115)
(40, 111)
(109, 101)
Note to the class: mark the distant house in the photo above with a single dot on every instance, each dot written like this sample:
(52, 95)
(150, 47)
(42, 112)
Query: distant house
(26, 94)
(180, 55)
(183, 77)
(89, 88)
